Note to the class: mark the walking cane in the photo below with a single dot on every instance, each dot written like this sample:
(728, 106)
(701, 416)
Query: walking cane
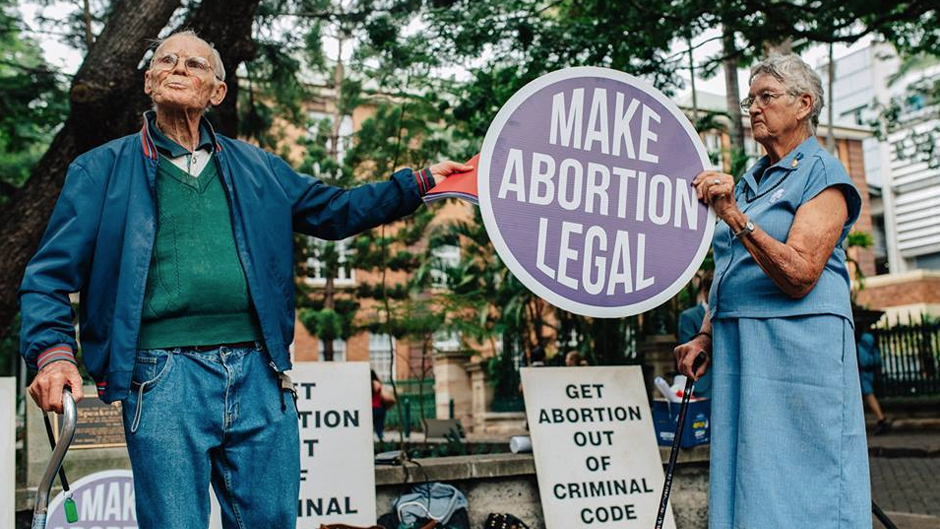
(66, 434)
(674, 453)
(882, 517)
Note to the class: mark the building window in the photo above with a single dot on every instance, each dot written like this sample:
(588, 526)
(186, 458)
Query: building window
(339, 350)
(445, 341)
(382, 355)
(445, 257)
(316, 267)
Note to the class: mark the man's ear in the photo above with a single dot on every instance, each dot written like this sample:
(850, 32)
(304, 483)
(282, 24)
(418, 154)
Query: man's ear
(219, 94)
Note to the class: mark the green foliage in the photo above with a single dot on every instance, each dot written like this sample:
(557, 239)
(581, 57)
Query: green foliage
(326, 324)
(859, 239)
(33, 102)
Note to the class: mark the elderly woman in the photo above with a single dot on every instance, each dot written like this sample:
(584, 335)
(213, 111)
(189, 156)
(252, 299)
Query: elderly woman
(788, 446)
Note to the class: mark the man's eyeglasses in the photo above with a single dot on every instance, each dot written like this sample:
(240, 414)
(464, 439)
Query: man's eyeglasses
(762, 100)
(194, 65)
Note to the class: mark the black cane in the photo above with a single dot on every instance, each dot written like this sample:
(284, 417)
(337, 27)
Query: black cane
(882, 517)
(674, 453)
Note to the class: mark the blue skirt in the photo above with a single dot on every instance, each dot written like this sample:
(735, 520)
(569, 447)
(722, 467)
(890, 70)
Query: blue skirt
(788, 445)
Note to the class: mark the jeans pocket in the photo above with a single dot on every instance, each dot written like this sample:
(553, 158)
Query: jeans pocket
(149, 367)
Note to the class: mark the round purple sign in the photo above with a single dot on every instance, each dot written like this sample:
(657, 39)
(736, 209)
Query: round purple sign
(585, 187)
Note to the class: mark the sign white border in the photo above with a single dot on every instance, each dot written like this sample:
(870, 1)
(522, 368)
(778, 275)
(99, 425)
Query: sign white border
(492, 227)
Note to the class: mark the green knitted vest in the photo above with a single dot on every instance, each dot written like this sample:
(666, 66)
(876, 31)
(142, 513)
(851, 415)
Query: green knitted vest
(196, 289)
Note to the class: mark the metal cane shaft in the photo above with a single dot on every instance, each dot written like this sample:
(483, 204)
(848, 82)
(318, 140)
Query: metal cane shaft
(66, 434)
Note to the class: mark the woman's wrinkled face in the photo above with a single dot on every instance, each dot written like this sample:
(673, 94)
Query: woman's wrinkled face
(775, 112)
(183, 86)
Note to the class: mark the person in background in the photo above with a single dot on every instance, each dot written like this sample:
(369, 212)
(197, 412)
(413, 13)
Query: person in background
(537, 357)
(378, 407)
(690, 322)
(869, 361)
(574, 358)
(788, 443)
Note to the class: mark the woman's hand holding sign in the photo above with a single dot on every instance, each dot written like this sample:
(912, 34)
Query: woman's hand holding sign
(717, 189)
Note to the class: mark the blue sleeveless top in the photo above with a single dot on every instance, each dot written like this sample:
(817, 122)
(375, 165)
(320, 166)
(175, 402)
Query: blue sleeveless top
(740, 288)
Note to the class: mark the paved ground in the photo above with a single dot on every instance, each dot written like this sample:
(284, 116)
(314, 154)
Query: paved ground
(905, 476)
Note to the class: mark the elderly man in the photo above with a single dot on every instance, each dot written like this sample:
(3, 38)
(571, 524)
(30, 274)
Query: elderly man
(180, 242)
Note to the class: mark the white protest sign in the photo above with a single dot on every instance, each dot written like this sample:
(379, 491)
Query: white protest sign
(7, 450)
(596, 456)
(337, 471)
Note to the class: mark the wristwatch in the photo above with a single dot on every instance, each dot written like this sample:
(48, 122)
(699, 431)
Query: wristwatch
(749, 227)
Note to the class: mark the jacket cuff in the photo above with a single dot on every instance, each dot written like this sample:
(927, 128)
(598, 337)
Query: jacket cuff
(424, 180)
(55, 354)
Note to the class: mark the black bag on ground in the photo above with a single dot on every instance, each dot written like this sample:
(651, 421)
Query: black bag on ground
(503, 521)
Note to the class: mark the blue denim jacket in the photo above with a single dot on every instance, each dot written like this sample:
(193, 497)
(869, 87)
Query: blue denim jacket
(102, 230)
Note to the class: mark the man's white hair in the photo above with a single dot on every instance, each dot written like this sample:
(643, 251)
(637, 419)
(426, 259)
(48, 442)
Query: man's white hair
(799, 79)
(216, 58)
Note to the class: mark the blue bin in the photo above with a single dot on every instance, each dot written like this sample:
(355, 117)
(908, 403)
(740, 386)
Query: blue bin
(697, 422)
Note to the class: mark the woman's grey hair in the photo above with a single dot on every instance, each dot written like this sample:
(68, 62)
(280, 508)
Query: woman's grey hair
(799, 79)
(216, 58)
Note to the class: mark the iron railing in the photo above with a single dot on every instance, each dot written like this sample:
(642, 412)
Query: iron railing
(414, 396)
(910, 356)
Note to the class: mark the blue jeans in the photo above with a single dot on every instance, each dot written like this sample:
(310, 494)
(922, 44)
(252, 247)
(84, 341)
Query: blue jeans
(218, 417)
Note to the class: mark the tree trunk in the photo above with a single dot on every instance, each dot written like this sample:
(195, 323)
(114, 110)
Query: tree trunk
(103, 106)
(730, 63)
(227, 25)
(329, 290)
(107, 101)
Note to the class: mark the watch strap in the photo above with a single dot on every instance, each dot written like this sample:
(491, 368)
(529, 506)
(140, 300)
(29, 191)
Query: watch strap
(748, 228)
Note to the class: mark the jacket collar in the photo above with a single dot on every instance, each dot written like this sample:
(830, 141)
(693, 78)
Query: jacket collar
(152, 140)
(788, 163)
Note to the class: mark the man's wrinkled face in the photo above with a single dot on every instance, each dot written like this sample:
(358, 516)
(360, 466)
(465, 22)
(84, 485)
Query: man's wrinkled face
(188, 84)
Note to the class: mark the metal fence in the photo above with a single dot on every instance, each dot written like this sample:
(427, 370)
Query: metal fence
(414, 396)
(910, 355)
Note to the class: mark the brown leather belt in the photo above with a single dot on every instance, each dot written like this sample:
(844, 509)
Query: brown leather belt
(213, 347)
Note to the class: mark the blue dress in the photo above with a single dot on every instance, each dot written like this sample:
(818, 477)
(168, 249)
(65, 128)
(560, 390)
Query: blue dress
(788, 436)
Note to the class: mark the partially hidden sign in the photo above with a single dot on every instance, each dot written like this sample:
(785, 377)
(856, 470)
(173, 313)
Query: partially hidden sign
(104, 499)
(337, 469)
(585, 187)
(596, 456)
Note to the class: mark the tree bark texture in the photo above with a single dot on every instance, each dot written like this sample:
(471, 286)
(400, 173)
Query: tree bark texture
(100, 111)
(730, 63)
(107, 101)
